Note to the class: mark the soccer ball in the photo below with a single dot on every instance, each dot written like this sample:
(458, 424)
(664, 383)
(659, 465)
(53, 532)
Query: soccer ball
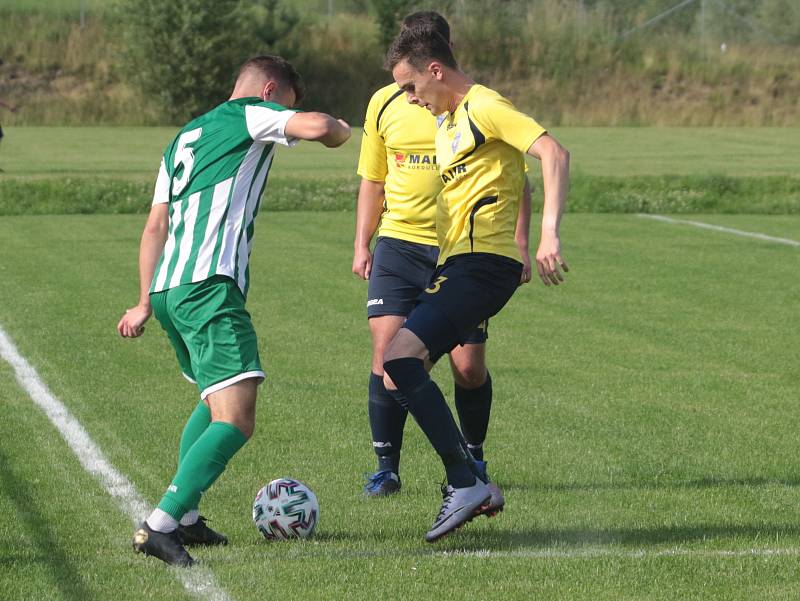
(284, 509)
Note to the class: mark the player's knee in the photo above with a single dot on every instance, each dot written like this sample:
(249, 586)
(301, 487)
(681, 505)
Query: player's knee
(246, 423)
(470, 375)
(383, 330)
(248, 429)
(407, 373)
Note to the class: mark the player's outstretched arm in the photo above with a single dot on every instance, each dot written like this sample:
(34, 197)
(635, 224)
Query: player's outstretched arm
(154, 237)
(368, 215)
(555, 176)
(318, 127)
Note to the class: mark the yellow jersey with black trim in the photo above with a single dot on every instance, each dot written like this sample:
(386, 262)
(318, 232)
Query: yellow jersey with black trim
(480, 147)
(398, 149)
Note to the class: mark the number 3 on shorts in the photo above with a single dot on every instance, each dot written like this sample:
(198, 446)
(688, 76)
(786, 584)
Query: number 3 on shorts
(436, 285)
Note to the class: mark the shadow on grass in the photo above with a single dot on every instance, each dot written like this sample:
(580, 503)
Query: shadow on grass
(64, 574)
(565, 538)
(699, 483)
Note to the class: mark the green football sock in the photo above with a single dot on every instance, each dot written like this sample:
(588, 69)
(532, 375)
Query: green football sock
(195, 426)
(202, 465)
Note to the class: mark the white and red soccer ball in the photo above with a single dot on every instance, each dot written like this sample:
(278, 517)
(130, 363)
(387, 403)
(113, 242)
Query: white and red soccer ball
(285, 509)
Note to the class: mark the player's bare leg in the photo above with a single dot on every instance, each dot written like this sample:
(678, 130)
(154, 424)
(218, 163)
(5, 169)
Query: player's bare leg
(236, 405)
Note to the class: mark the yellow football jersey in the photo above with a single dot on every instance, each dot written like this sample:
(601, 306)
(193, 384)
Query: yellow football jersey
(398, 149)
(480, 147)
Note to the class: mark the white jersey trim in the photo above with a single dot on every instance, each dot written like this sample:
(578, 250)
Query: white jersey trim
(267, 125)
(161, 193)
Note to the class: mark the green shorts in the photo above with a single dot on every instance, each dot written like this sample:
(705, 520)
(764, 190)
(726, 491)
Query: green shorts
(211, 332)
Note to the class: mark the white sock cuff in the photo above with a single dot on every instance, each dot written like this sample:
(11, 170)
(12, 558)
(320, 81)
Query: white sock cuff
(161, 521)
(190, 517)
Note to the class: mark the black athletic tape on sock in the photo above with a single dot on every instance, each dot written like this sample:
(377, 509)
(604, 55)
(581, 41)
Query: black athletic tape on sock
(408, 374)
(377, 391)
(399, 398)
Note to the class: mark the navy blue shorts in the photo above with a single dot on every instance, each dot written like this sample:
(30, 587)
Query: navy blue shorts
(401, 271)
(464, 292)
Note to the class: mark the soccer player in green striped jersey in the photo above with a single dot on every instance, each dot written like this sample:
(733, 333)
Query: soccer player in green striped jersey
(194, 276)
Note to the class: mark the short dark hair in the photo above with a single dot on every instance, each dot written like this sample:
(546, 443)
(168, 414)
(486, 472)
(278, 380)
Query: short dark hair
(419, 47)
(277, 69)
(428, 20)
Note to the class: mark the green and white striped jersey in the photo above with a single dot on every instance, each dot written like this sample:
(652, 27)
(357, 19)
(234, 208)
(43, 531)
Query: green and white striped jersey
(212, 175)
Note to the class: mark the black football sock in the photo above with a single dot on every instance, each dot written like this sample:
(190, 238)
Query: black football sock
(426, 403)
(474, 406)
(387, 420)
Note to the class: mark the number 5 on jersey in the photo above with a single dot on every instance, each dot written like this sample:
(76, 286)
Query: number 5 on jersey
(184, 155)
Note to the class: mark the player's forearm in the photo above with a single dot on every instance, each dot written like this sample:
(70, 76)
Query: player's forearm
(338, 133)
(368, 212)
(555, 175)
(150, 249)
(522, 233)
(318, 127)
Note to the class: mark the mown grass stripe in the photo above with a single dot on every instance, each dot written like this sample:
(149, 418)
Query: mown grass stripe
(197, 581)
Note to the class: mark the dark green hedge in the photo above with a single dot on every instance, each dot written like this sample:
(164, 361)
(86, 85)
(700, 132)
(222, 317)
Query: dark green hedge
(589, 194)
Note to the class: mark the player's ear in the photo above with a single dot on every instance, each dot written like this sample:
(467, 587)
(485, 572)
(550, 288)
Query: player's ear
(268, 91)
(435, 69)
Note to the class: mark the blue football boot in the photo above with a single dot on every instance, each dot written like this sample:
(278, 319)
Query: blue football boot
(382, 484)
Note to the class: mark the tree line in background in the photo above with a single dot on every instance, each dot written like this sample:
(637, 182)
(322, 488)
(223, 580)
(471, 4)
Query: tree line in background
(590, 62)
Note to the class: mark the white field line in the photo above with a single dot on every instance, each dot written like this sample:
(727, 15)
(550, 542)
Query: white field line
(719, 228)
(197, 581)
(592, 552)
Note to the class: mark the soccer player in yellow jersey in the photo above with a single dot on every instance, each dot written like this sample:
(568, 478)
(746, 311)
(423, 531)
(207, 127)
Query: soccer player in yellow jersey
(480, 143)
(399, 188)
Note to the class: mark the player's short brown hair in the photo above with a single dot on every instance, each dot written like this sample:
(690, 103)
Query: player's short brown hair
(277, 69)
(419, 47)
(428, 20)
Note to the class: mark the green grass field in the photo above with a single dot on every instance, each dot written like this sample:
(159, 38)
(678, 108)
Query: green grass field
(135, 152)
(644, 428)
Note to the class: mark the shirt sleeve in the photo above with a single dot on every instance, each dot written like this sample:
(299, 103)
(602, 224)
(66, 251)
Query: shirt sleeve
(161, 194)
(268, 125)
(372, 159)
(498, 118)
